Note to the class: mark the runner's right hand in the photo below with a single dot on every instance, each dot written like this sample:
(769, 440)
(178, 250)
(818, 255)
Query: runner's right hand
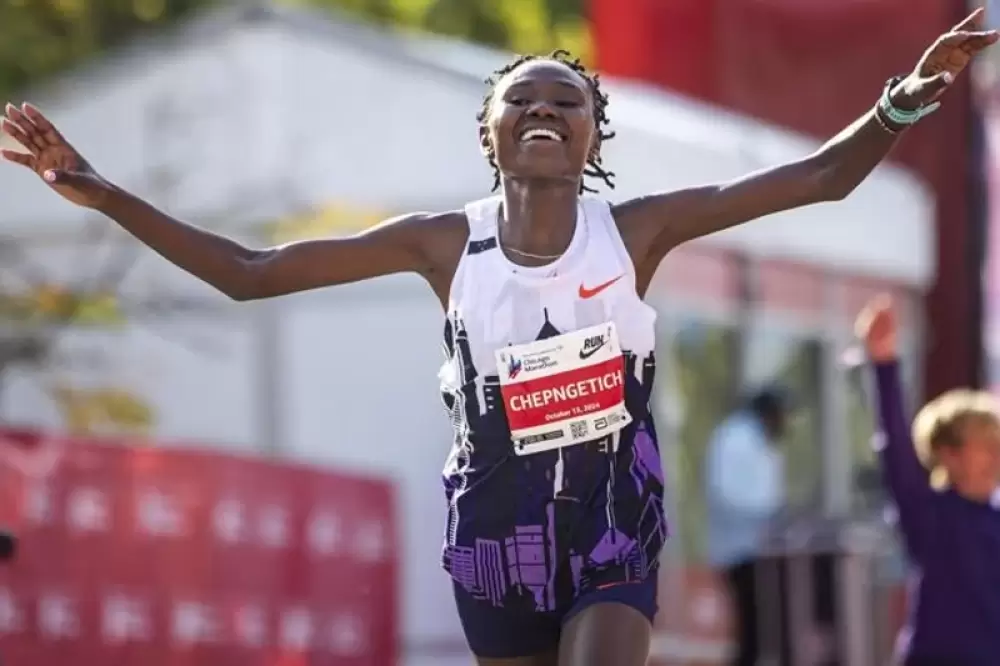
(877, 327)
(52, 157)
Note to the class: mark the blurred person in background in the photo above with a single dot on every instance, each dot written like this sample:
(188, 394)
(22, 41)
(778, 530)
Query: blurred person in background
(8, 545)
(942, 476)
(745, 488)
(8, 549)
(554, 484)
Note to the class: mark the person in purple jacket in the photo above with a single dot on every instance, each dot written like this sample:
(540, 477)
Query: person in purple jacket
(942, 476)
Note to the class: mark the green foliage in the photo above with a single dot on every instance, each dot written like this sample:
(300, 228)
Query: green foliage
(524, 26)
(44, 37)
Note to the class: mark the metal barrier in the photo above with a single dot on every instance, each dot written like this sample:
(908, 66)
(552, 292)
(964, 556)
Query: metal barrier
(822, 595)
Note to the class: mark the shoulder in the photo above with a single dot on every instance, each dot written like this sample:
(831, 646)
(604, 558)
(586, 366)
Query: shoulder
(654, 224)
(429, 235)
(638, 212)
(645, 221)
(447, 222)
(440, 240)
(429, 230)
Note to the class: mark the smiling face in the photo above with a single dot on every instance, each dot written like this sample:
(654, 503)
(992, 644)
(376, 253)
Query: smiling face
(957, 435)
(540, 123)
(973, 466)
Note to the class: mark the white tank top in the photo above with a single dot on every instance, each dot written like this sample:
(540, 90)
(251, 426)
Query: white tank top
(554, 474)
(501, 303)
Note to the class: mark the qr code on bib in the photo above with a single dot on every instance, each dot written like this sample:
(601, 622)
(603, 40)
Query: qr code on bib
(578, 429)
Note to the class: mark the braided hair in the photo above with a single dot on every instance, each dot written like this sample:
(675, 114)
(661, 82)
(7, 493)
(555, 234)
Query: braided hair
(593, 168)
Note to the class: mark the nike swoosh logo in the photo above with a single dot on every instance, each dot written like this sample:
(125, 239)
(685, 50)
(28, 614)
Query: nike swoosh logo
(586, 293)
(587, 353)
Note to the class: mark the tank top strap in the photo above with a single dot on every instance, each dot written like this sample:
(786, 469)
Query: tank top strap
(482, 217)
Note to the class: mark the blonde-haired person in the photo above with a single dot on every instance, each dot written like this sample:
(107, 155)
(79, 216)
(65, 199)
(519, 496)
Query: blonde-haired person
(942, 476)
(949, 451)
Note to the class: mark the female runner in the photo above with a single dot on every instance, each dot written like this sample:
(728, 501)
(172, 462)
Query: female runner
(554, 483)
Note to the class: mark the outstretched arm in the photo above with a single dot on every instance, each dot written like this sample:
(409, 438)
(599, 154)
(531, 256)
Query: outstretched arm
(906, 479)
(411, 243)
(902, 473)
(242, 273)
(660, 222)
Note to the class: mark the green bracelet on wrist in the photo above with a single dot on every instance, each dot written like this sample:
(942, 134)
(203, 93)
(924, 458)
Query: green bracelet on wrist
(899, 116)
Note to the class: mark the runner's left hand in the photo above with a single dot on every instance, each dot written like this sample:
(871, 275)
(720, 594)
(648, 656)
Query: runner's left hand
(944, 61)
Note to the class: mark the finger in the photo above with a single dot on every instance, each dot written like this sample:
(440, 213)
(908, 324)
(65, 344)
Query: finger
(14, 114)
(971, 21)
(969, 43)
(861, 324)
(966, 36)
(878, 306)
(52, 135)
(19, 158)
(963, 35)
(882, 301)
(16, 133)
(979, 33)
(953, 39)
(22, 121)
(981, 40)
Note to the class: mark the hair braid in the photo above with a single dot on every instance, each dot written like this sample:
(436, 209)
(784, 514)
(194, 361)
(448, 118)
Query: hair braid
(594, 167)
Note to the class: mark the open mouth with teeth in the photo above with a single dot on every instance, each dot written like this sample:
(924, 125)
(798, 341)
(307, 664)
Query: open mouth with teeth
(541, 134)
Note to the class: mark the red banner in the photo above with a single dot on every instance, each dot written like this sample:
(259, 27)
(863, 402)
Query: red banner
(150, 556)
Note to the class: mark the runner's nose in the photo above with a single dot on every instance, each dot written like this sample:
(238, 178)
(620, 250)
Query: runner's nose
(542, 109)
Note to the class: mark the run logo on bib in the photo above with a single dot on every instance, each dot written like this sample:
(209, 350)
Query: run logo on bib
(563, 390)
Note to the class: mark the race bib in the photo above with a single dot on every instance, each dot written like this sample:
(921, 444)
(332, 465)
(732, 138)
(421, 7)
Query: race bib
(563, 390)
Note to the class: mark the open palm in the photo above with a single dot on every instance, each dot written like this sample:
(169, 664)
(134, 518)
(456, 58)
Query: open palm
(877, 327)
(51, 156)
(948, 56)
